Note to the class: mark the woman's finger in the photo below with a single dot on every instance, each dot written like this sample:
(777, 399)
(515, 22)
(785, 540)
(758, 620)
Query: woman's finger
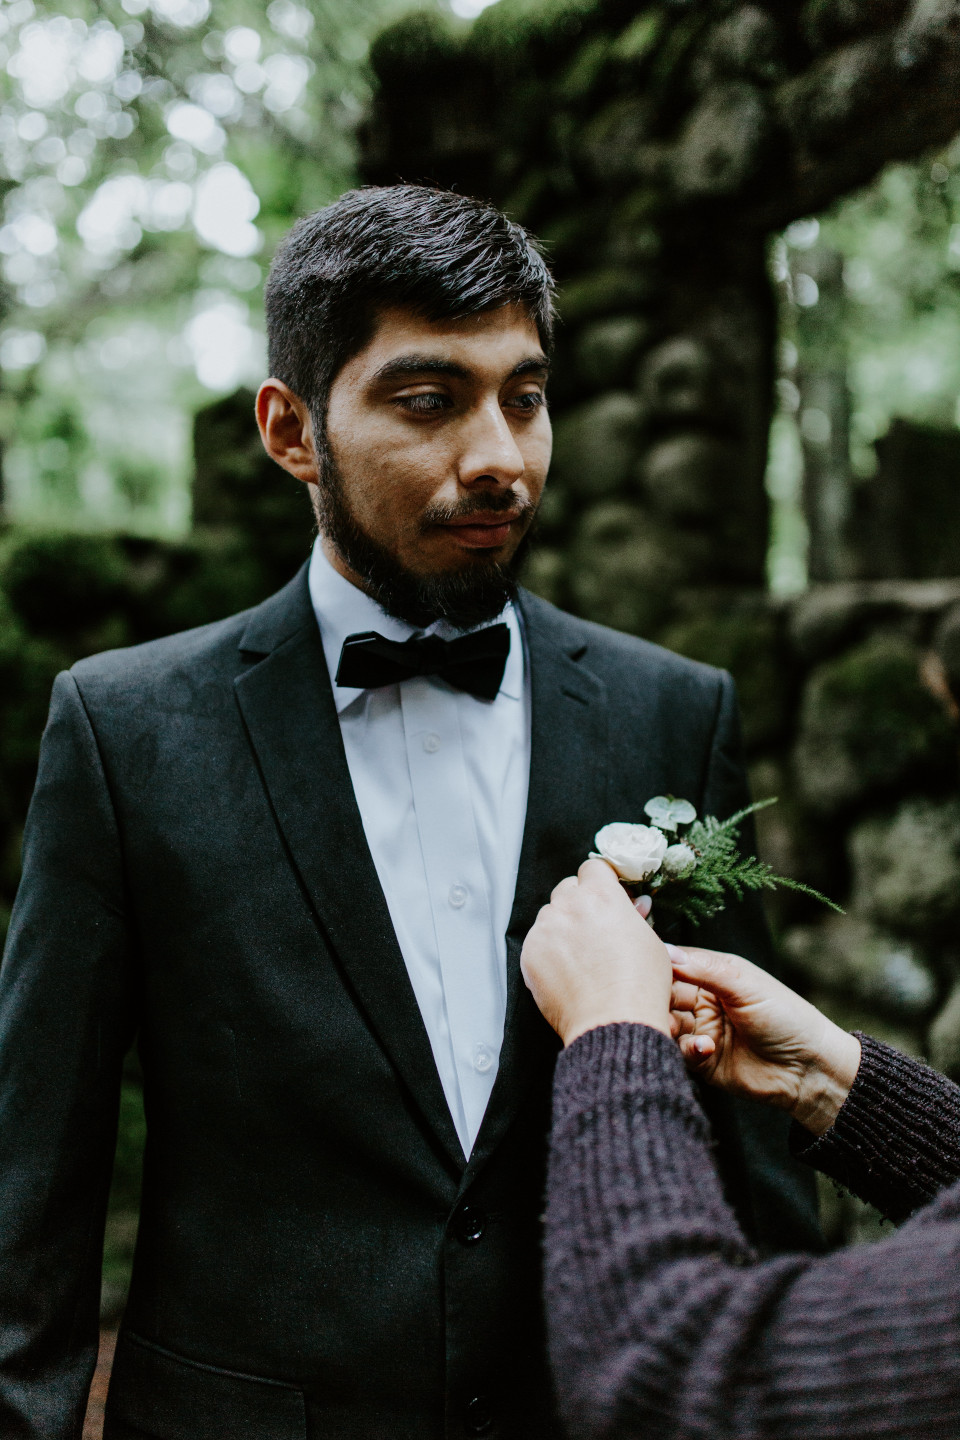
(599, 873)
(683, 995)
(695, 1049)
(682, 1022)
(728, 976)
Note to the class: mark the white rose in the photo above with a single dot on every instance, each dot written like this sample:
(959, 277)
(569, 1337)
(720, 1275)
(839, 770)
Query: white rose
(635, 851)
(679, 862)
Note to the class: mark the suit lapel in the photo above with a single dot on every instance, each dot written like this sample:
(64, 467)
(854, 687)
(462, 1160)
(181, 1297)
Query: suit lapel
(287, 705)
(565, 808)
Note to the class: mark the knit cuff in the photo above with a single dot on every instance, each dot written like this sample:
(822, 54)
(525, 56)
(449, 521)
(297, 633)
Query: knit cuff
(603, 1065)
(896, 1139)
(624, 1109)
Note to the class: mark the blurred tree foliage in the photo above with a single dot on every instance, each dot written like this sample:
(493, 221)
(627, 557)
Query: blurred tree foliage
(151, 154)
(870, 334)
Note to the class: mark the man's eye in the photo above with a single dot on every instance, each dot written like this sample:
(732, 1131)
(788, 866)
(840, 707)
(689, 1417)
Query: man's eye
(429, 403)
(529, 401)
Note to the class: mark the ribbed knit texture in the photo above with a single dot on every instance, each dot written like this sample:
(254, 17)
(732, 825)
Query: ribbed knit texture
(664, 1324)
(896, 1142)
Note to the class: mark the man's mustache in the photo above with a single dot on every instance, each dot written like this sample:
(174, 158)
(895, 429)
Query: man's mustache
(495, 503)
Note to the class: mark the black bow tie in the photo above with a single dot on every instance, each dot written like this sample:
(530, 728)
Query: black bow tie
(474, 663)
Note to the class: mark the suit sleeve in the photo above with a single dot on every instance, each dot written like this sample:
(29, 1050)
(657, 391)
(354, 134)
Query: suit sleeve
(774, 1195)
(66, 1020)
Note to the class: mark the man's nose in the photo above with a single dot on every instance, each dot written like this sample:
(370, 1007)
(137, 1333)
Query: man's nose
(490, 450)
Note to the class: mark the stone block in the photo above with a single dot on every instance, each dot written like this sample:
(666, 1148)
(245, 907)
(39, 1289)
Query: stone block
(679, 382)
(829, 618)
(725, 143)
(689, 478)
(846, 955)
(746, 644)
(868, 726)
(748, 44)
(606, 350)
(595, 445)
(906, 868)
(622, 568)
(606, 291)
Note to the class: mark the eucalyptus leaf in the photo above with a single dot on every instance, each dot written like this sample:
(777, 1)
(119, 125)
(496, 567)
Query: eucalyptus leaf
(667, 812)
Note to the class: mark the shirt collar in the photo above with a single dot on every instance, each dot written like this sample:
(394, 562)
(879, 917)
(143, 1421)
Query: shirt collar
(341, 610)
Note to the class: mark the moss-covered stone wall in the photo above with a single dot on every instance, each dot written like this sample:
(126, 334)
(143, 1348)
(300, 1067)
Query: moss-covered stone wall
(654, 146)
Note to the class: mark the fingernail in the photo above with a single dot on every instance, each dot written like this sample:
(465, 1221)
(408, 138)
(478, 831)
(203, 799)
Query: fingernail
(676, 953)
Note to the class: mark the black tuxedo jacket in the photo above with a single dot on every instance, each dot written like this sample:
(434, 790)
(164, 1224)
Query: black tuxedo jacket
(314, 1257)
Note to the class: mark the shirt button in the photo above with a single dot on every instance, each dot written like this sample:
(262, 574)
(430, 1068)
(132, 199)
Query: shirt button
(457, 896)
(431, 743)
(482, 1059)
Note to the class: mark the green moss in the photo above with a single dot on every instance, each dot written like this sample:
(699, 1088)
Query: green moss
(424, 39)
(515, 23)
(868, 725)
(583, 72)
(636, 42)
(601, 292)
(906, 868)
(749, 646)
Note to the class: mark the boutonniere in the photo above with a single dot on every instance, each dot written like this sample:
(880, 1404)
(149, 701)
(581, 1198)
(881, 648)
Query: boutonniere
(690, 867)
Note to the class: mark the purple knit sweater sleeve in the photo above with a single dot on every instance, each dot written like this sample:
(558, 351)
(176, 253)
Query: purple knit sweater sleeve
(896, 1142)
(664, 1325)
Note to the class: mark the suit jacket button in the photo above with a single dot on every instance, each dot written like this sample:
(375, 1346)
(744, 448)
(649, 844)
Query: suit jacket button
(469, 1225)
(477, 1416)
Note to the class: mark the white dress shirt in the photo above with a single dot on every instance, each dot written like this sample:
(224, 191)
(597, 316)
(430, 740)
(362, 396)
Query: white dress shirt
(441, 781)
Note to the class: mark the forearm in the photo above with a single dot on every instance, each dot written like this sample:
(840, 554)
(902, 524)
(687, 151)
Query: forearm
(896, 1139)
(640, 1244)
(662, 1322)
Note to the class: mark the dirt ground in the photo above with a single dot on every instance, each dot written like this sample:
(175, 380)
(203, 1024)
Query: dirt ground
(93, 1425)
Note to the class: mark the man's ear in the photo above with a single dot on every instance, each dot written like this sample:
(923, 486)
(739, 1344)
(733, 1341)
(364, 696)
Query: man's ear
(287, 430)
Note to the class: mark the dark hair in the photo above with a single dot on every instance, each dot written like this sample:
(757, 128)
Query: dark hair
(440, 254)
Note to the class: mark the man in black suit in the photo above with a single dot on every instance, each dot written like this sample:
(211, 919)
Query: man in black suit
(295, 854)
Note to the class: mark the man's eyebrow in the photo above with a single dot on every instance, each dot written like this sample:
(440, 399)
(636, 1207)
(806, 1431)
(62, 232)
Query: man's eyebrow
(405, 366)
(535, 365)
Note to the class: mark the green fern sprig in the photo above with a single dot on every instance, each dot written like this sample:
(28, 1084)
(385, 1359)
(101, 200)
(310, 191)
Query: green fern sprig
(723, 872)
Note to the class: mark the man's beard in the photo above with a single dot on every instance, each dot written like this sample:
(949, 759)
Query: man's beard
(463, 598)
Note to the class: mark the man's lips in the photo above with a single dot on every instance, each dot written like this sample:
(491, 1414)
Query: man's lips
(483, 531)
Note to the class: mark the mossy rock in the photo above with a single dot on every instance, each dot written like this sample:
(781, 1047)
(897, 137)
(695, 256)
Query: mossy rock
(848, 956)
(509, 27)
(606, 350)
(691, 478)
(422, 39)
(623, 569)
(601, 292)
(906, 868)
(868, 727)
(595, 445)
(611, 145)
(725, 144)
(748, 645)
(829, 618)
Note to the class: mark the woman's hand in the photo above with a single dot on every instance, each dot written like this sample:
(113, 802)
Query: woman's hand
(591, 960)
(744, 1031)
